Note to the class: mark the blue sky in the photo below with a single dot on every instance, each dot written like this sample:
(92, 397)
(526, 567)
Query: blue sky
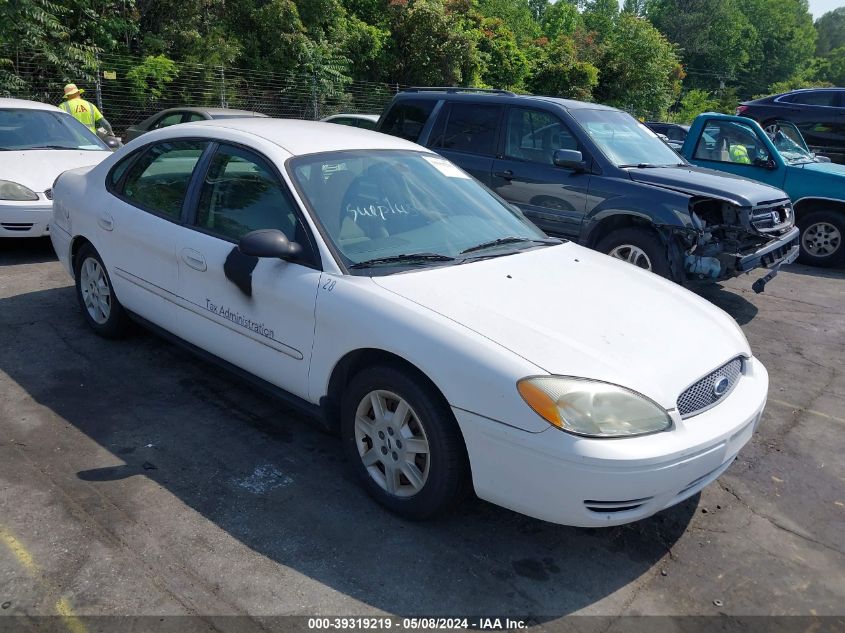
(819, 7)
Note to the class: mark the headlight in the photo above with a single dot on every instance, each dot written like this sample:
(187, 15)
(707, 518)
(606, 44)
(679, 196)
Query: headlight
(592, 408)
(14, 191)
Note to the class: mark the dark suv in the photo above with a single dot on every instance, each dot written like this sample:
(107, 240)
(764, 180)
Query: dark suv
(819, 113)
(595, 175)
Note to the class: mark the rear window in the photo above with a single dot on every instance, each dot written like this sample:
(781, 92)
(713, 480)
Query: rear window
(820, 98)
(406, 119)
(469, 128)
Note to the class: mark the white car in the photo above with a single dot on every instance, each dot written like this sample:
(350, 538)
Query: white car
(37, 143)
(366, 121)
(370, 281)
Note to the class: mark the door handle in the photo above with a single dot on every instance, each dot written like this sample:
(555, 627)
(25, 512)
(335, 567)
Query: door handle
(507, 174)
(106, 222)
(194, 259)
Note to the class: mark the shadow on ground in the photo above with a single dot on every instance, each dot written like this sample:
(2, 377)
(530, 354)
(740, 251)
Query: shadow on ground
(32, 250)
(271, 480)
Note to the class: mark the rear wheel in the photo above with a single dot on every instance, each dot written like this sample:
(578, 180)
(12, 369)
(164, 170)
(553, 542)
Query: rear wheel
(403, 442)
(100, 307)
(822, 234)
(639, 247)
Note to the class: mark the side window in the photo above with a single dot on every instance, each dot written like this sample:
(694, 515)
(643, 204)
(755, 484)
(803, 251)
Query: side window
(469, 128)
(818, 98)
(194, 116)
(730, 142)
(675, 133)
(158, 180)
(534, 136)
(240, 194)
(366, 124)
(343, 121)
(406, 119)
(167, 121)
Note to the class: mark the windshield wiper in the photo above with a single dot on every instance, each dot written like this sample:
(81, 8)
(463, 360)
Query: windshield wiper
(405, 258)
(505, 240)
(50, 147)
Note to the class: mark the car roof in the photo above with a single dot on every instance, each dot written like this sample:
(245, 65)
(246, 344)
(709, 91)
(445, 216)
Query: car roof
(211, 111)
(352, 115)
(304, 137)
(497, 97)
(25, 104)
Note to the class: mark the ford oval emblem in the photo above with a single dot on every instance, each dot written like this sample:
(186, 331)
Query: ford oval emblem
(720, 386)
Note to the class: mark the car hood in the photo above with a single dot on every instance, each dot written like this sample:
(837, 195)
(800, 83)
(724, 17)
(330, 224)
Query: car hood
(824, 168)
(38, 169)
(572, 311)
(707, 182)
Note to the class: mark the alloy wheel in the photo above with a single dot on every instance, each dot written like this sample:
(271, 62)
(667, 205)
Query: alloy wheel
(821, 239)
(392, 443)
(96, 293)
(632, 254)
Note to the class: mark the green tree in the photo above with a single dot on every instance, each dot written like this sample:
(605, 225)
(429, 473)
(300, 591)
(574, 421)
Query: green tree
(148, 80)
(639, 68)
(561, 18)
(714, 37)
(559, 72)
(786, 41)
(505, 64)
(831, 31)
(599, 16)
(516, 14)
(693, 103)
(428, 47)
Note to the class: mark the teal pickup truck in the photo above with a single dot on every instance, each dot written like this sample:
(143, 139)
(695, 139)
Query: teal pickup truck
(778, 157)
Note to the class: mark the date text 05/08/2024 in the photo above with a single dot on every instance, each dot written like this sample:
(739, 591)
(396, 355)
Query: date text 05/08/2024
(423, 623)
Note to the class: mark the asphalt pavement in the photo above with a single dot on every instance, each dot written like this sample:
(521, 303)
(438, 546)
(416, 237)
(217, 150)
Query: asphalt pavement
(138, 480)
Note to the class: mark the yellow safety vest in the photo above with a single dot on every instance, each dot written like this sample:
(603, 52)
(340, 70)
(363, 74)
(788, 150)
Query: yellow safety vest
(83, 111)
(739, 154)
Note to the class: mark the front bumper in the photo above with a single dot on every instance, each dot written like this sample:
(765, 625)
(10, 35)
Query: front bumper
(26, 219)
(781, 251)
(558, 477)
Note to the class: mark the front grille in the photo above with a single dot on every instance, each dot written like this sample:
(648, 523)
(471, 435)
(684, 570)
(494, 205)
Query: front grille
(703, 394)
(611, 507)
(772, 217)
(16, 226)
(48, 194)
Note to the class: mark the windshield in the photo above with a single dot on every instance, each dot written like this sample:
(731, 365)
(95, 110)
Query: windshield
(789, 142)
(24, 129)
(389, 207)
(623, 140)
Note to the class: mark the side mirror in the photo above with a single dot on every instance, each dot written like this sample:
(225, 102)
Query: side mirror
(268, 243)
(771, 165)
(570, 159)
(821, 159)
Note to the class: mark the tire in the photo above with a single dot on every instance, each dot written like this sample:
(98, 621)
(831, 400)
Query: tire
(440, 476)
(822, 238)
(100, 307)
(642, 245)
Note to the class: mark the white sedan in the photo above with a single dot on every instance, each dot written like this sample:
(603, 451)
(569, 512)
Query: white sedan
(373, 283)
(37, 143)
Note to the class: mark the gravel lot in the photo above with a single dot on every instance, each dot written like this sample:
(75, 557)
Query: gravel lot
(136, 479)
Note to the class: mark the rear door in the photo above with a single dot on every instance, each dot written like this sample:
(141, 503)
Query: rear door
(554, 198)
(146, 211)
(467, 134)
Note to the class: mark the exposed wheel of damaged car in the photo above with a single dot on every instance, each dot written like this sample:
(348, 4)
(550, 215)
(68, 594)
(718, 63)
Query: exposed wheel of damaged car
(403, 442)
(822, 235)
(638, 246)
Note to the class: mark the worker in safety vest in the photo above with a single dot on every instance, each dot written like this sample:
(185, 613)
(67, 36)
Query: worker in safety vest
(83, 111)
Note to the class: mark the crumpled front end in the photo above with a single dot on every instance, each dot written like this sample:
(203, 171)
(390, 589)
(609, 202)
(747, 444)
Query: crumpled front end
(725, 240)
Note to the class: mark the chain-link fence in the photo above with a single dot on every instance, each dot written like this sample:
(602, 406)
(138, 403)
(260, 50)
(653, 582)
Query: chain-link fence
(129, 89)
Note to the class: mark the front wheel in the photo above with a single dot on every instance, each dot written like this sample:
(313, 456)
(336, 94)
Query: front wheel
(96, 297)
(639, 247)
(821, 238)
(403, 442)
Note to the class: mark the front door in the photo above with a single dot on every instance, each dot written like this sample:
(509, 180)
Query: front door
(257, 314)
(735, 148)
(552, 197)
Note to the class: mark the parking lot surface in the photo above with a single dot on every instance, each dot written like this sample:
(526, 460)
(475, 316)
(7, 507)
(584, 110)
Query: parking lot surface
(136, 479)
